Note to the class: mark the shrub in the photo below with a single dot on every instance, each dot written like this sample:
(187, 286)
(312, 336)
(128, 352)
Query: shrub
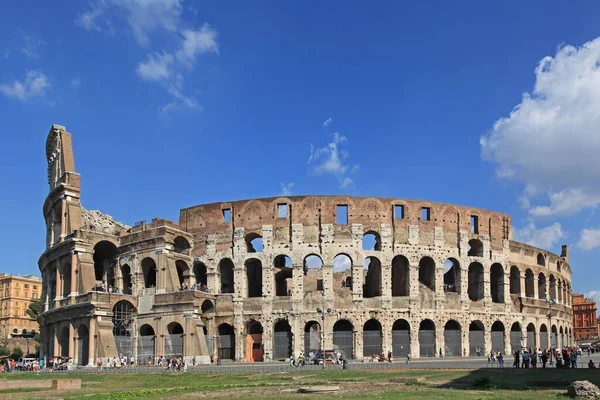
(17, 352)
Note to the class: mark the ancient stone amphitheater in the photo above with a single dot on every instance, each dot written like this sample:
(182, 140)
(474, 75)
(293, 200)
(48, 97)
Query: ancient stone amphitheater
(261, 279)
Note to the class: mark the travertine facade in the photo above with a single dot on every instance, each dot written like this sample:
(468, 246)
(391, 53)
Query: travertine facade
(282, 275)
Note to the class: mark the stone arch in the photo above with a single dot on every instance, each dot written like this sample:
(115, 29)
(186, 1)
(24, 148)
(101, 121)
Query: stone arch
(371, 240)
(427, 273)
(207, 307)
(544, 336)
(542, 286)
(476, 281)
(181, 246)
(562, 338)
(498, 337)
(201, 275)
(66, 279)
(552, 291)
(146, 347)
(453, 339)
(254, 243)
(283, 269)
(226, 342)
(63, 341)
(554, 337)
(254, 342)
(227, 277)
(400, 276)
(282, 340)
(312, 337)
(372, 338)
(515, 337)
(373, 278)
(126, 277)
(83, 345)
(476, 338)
(104, 259)
(183, 273)
(312, 266)
(342, 272)
(452, 275)
(343, 338)
(427, 338)
(541, 260)
(529, 283)
(401, 338)
(497, 283)
(559, 291)
(174, 340)
(475, 248)
(149, 272)
(254, 286)
(515, 280)
(531, 339)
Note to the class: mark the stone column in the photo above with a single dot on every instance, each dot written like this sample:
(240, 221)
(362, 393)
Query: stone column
(74, 271)
(240, 284)
(71, 340)
(59, 286)
(439, 279)
(45, 303)
(357, 281)
(440, 340)
(358, 343)
(328, 282)
(161, 272)
(522, 284)
(297, 285)
(386, 284)
(487, 337)
(386, 332)
(63, 219)
(55, 338)
(268, 282)
(414, 339)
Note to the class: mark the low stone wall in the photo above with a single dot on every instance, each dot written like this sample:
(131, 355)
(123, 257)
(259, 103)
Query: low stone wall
(61, 384)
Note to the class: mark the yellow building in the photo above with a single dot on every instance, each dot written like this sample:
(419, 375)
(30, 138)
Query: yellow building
(16, 293)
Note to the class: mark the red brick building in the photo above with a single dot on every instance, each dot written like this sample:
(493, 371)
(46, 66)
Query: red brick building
(585, 322)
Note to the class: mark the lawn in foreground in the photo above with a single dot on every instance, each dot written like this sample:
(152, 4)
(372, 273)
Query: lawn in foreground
(371, 384)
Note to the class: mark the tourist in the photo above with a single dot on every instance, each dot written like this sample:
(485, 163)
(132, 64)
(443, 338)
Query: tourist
(534, 358)
(591, 364)
(292, 361)
(408, 358)
(574, 359)
(526, 359)
(500, 360)
(544, 358)
(516, 362)
(41, 364)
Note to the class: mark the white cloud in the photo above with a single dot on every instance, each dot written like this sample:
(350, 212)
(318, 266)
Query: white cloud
(331, 160)
(544, 238)
(346, 183)
(593, 295)
(156, 67)
(34, 84)
(286, 189)
(327, 122)
(197, 42)
(341, 263)
(550, 140)
(31, 45)
(589, 239)
(143, 16)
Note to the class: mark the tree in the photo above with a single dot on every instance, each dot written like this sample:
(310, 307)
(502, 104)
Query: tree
(35, 307)
(17, 353)
(4, 351)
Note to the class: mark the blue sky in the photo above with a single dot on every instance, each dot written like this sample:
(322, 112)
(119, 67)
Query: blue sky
(175, 103)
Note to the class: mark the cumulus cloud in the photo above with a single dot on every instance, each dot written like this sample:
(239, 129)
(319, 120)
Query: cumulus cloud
(589, 239)
(545, 238)
(593, 295)
(197, 42)
(327, 122)
(331, 159)
(143, 16)
(34, 85)
(341, 263)
(550, 139)
(156, 67)
(286, 189)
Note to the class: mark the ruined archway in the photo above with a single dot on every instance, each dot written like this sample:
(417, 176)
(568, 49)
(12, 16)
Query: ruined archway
(226, 272)
(312, 337)
(149, 272)
(531, 341)
(254, 277)
(254, 344)
(282, 340)
(183, 274)
(200, 275)
(174, 340)
(146, 345)
(452, 276)
(476, 338)
(283, 271)
(515, 280)
(475, 248)
(181, 246)
(529, 283)
(475, 287)
(515, 337)
(372, 338)
(543, 336)
(372, 277)
(498, 337)
(542, 286)
(226, 342)
(254, 243)
(497, 283)
(427, 338)
(313, 273)
(104, 259)
(427, 273)
(453, 339)
(343, 338)
(123, 318)
(400, 338)
(83, 345)
(342, 274)
(400, 276)
(126, 277)
(371, 241)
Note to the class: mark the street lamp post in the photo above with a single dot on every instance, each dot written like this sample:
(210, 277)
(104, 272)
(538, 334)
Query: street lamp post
(323, 314)
(550, 302)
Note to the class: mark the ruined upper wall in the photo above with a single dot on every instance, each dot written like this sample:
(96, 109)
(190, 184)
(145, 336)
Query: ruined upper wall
(314, 211)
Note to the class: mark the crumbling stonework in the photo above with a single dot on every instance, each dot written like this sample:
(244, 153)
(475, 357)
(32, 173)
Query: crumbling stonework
(95, 220)
(278, 276)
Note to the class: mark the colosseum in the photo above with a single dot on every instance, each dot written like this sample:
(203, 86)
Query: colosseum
(262, 279)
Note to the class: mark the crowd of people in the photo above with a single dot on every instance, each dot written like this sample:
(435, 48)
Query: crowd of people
(196, 286)
(537, 358)
(102, 287)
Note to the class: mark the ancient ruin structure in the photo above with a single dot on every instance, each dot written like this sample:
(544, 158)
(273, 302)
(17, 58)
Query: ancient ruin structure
(258, 280)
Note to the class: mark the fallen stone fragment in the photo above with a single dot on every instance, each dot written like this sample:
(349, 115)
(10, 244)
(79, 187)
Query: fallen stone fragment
(585, 389)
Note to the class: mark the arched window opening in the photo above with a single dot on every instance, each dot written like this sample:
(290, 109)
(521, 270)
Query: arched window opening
(498, 337)
(226, 342)
(451, 276)
(558, 266)
(207, 307)
(400, 338)
(343, 338)
(452, 339)
(174, 340)
(554, 337)
(427, 338)
(552, 288)
(254, 277)
(149, 272)
(543, 336)
(497, 283)
(541, 260)
(372, 277)
(475, 248)
(63, 342)
(200, 276)
(559, 291)
(110, 278)
(123, 316)
(181, 246)
(515, 280)
(313, 273)
(531, 340)
(254, 345)
(126, 277)
(372, 338)
(282, 340)
(283, 275)
(254, 243)
(312, 337)
(83, 345)
(542, 286)
(400, 276)
(476, 282)
(515, 337)
(66, 278)
(183, 273)
(342, 273)
(427, 273)
(476, 339)
(529, 283)
(146, 345)
(371, 241)
(104, 259)
(226, 271)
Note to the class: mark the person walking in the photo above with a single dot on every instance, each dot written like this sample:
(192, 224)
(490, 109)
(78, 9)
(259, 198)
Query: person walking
(574, 359)
(534, 358)
(100, 363)
(544, 358)
(500, 360)
(526, 359)
(517, 359)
